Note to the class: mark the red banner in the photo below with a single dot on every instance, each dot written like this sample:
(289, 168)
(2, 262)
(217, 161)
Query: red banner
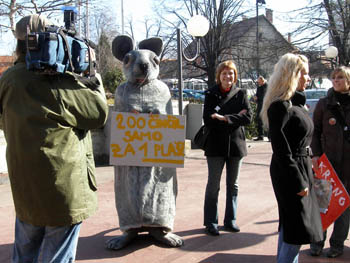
(334, 196)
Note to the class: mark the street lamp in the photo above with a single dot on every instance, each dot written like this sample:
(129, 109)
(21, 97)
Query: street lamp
(331, 53)
(262, 2)
(197, 26)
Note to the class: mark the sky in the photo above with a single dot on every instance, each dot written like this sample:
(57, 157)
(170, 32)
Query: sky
(279, 7)
(133, 9)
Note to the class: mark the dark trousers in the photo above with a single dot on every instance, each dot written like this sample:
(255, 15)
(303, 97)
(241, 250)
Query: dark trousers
(339, 234)
(215, 167)
(259, 122)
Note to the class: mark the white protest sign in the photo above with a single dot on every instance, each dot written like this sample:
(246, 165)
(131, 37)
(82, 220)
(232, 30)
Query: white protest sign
(147, 140)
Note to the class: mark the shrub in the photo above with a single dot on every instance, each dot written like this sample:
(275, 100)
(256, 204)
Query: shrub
(112, 79)
(252, 129)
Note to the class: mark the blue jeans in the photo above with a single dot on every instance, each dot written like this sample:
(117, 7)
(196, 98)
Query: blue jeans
(287, 253)
(339, 234)
(45, 244)
(215, 167)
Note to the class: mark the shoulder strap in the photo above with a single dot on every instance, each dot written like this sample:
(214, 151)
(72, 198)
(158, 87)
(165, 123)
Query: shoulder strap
(229, 96)
(66, 47)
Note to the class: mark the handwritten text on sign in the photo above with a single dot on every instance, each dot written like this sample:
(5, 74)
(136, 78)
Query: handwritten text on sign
(339, 199)
(147, 140)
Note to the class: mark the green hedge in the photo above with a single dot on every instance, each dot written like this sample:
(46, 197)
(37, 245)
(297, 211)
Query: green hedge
(251, 130)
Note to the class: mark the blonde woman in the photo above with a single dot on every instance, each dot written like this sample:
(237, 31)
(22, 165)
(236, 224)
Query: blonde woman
(291, 129)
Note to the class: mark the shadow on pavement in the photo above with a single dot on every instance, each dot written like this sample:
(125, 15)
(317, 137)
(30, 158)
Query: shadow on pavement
(225, 241)
(306, 258)
(238, 258)
(267, 222)
(93, 247)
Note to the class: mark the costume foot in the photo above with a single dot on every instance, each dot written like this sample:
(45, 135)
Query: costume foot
(167, 238)
(121, 241)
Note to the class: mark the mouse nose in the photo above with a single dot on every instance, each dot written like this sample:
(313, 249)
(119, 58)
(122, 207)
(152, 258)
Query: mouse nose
(144, 67)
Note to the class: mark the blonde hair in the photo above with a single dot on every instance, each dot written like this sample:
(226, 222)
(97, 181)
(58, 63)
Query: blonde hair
(344, 70)
(262, 79)
(226, 64)
(283, 82)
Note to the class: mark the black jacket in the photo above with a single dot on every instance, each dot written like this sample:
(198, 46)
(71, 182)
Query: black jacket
(226, 138)
(260, 93)
(291, 131)
(329, 137)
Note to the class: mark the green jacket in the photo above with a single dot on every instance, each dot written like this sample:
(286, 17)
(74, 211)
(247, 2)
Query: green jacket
(46, 121)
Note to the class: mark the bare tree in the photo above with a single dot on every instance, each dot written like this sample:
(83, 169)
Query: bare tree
(10, 10)
(103, 30)
(324, 23)
(216, 42)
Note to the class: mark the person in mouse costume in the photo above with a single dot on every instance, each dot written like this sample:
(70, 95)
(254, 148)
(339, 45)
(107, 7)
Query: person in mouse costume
(145, 196)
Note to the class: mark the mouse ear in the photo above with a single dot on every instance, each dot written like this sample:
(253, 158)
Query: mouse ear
(122, 45)
(154, 44)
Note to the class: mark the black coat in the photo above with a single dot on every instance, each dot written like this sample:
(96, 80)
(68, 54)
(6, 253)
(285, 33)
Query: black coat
(329, 136)
(260, 93)
(291, 171)
(226, 138)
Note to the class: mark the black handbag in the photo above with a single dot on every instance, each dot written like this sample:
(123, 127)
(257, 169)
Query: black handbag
(201, 136)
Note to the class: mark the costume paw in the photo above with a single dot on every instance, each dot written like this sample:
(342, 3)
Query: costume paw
(169, 238)
(121, 241)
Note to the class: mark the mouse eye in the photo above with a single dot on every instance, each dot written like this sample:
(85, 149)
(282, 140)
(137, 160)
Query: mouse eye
(127, 59)
(156, 60)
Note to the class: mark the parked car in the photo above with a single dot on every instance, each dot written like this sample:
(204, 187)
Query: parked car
(188, 94)
(312, 97)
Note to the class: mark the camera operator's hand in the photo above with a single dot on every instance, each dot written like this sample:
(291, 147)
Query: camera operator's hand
(90, 82)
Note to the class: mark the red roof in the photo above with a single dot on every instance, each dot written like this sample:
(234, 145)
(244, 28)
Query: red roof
(6, 62)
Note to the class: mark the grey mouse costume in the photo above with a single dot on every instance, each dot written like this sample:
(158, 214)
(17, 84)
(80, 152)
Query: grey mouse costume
(145, 196)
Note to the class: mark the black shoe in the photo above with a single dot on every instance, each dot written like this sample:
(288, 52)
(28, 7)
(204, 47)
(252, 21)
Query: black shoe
(259, 138)
(212, 230)
(315, 251)
(232, 227)
(334, 252)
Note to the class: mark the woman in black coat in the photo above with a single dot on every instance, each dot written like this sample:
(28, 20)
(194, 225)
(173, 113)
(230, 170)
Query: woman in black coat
(332, 137)
(291, 129)
(226, 111)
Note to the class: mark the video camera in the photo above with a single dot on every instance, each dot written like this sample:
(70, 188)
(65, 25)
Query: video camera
(59, 49)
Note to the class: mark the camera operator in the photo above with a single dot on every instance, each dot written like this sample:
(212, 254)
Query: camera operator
(46, 121)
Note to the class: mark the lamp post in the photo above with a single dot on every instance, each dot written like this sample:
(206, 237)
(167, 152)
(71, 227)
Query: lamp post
(197, 26)
(331, 53)
(257, 36)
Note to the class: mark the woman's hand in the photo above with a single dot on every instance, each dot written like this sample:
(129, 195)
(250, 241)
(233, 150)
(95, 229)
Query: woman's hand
(219, 117)
(315, 162)
(244, 111)
(305, 192)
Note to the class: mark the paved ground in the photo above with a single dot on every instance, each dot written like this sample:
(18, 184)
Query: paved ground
(257, 217)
